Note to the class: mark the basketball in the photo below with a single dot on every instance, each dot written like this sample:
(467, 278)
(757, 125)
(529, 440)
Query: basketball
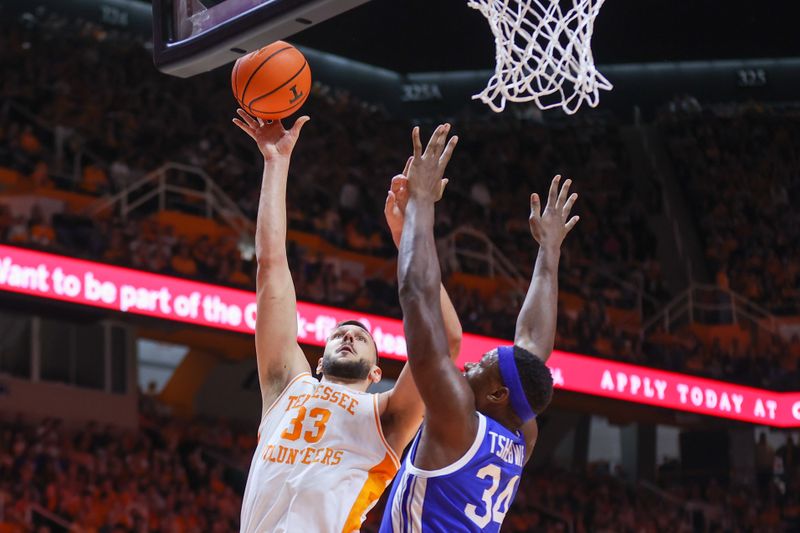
(273, 82)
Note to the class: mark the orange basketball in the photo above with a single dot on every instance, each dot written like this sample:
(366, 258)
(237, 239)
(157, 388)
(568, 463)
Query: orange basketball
(272, 83)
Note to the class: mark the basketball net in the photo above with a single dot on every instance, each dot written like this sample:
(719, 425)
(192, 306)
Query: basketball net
(543, 54)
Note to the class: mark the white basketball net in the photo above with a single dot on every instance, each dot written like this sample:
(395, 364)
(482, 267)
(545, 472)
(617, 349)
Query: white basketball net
(543, 54)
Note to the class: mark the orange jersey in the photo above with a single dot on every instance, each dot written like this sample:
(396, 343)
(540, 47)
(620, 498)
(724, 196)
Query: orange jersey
(321, 461)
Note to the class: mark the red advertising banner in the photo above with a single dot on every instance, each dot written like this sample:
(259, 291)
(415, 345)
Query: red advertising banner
(131, 291)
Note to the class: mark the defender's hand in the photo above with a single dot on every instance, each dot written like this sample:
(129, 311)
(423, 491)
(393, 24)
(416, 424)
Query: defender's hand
(395, 208)
(427, 169)
(550, 228)
(396, 200)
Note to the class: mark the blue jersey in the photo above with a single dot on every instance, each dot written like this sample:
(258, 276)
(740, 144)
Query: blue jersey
(472, 495)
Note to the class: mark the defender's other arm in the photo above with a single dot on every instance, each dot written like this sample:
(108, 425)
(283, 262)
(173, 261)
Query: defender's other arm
(536, 324)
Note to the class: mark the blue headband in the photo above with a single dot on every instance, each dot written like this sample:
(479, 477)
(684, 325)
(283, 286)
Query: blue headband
(508, 371)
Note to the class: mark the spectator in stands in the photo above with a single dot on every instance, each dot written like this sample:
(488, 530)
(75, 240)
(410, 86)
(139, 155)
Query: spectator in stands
(765, 457)
(790, 455)
(18, 231)
(746, 156)
(6, 222)
(40, 177)
(167, 239)
(28, 141)
(41, 231)
(238, 273)
(182, 263)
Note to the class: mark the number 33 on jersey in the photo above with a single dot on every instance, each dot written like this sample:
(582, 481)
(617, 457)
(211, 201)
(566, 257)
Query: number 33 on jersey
(317, 439)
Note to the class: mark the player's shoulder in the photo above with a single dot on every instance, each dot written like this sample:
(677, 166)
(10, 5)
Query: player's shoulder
(382, 400)
(301, 378)
(497, 426)
(282, 390)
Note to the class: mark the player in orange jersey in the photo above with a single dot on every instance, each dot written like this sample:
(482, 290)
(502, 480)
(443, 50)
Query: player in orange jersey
(327, 449)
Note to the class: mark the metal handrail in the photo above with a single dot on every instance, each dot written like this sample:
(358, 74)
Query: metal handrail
(499, 265)
(9, 104)
(156, 185)
(61, 521)
(658, 491)
(686, 305)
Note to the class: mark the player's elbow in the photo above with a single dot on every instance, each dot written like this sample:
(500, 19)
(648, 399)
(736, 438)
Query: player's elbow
(522, 339)
(418, 281)
(454, 343)
(415, 290)
(269, 258)
(409, 294)
(529, 343)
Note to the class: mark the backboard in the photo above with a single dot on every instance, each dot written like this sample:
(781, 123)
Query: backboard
(194, 36)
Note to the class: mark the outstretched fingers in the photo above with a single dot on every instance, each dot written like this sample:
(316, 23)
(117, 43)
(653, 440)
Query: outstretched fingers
(408, 165)
(444, 183)
(553, 194)
(247, 118)
(448, 150)
(562, 196)
(298, 125)
(398, 182)
(417, 144)
(568, 205)
(245, 128)
(571, 224)
(536, 206)
(399, 191)
(435, 143)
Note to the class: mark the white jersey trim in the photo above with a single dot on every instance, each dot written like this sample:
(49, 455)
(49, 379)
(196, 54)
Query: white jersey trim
(279, 396)
(456, 466)
(392, 453)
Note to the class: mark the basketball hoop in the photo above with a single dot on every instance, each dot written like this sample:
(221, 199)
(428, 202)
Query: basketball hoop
(543, 54)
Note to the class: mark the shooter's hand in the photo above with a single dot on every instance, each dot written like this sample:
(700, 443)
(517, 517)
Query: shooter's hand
(272, 139)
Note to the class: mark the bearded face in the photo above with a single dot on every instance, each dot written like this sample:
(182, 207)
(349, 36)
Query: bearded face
(349, 354)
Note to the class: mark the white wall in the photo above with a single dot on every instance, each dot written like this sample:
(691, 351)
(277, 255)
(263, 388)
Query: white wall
(668, 443)
(72, 404)
(605, 442)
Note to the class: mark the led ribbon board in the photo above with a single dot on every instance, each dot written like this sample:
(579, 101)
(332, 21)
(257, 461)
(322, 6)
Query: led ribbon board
(66, 279)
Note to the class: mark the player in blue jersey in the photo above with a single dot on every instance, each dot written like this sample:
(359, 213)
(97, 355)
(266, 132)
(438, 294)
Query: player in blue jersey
(463, 468)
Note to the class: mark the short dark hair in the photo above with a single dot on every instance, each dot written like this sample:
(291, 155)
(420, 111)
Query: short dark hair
(537, 382)
(353, 323)
(362, 326)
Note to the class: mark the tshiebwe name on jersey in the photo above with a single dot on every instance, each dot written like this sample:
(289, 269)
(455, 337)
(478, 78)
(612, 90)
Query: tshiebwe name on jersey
(328, 394)
(507, 450)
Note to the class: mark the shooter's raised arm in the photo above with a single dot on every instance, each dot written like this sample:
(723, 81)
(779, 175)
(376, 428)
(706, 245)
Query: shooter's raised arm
(279, 356)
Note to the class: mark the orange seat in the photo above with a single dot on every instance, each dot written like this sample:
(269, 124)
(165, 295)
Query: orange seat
(9, 177)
